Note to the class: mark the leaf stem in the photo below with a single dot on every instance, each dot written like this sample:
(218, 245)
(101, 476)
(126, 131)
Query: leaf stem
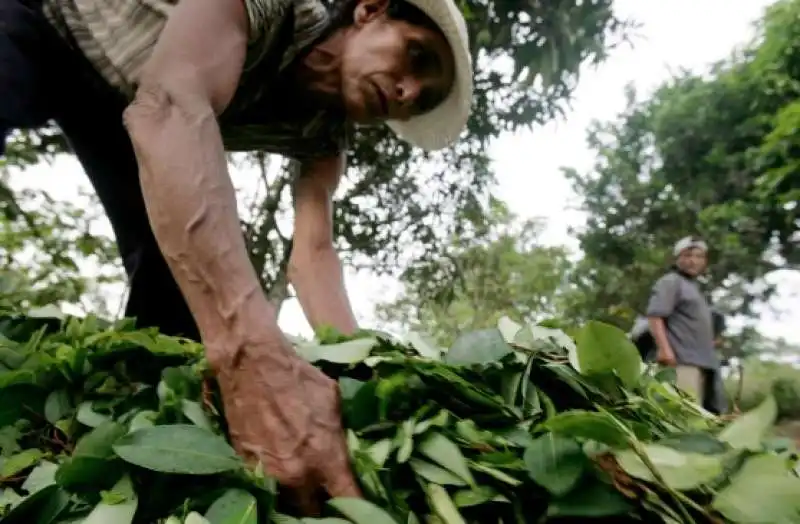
(679, 497)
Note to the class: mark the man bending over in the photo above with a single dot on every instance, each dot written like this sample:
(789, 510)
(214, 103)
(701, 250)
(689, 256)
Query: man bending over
(151, 94)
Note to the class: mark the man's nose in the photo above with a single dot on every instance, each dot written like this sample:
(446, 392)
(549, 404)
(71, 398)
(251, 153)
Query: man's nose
(407, 91)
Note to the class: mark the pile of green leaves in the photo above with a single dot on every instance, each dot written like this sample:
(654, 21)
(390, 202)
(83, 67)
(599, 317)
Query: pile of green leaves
(105, 424)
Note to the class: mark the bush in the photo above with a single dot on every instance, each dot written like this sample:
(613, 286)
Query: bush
(109, 425)
(762, 379)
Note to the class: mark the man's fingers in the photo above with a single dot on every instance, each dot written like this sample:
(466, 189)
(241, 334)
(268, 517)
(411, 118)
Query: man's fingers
(306, 501)
(340, 482)
(343, 486)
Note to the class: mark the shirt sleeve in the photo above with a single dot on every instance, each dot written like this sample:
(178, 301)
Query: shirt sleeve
(663, 297)
(262, 15)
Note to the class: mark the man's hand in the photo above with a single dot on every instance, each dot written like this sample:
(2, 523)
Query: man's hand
(665, 354)
(666, 357)
(286, 414)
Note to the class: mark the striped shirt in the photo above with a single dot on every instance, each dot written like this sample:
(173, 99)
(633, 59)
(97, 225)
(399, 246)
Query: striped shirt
(117, 37)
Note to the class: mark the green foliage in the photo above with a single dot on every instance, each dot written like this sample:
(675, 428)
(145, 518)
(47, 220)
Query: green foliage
(494, 269)
(761, 379)
(104, 424)
(45, 243)
(710, 154)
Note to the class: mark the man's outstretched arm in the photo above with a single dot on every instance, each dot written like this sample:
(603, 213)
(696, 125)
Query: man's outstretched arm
(314, 267)
(281, 411)
(188, 81)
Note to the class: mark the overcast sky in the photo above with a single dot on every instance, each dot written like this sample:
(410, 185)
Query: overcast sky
(675, 34)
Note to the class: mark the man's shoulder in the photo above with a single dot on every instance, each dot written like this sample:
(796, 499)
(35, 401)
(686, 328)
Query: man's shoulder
(264, 15)
(669, 279)
(280, 29)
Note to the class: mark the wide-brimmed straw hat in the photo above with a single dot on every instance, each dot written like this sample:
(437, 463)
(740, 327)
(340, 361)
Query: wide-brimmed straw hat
(442, 126)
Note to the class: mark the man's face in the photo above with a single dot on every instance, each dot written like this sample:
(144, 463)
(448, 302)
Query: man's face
(692, 261)
(392, 69)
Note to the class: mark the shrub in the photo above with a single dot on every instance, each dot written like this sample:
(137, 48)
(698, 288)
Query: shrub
(106, 424)
(762, 379)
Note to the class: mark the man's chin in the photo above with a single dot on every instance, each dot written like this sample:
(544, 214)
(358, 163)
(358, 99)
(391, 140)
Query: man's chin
(362, 115)
(365, 119)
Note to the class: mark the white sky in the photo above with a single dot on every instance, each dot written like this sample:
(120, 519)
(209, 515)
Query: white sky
(678, 33)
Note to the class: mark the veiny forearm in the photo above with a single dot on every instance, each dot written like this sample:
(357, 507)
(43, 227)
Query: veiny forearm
(659, 331)
(192, 209)
(318, 280)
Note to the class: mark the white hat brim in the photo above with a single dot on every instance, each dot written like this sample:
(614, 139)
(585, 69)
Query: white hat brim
(442, 126)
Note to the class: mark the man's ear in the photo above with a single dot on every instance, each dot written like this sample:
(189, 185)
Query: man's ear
(369, 10)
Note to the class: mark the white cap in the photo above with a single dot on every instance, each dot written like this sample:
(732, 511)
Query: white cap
(688, 243)
(442, 126)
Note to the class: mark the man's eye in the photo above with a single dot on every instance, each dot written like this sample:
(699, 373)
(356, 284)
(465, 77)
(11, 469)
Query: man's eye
(419, 57)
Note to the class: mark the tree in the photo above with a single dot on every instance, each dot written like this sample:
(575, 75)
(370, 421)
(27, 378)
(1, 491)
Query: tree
(499, 269)
(710, 154)
(397, 203)
(46, 246)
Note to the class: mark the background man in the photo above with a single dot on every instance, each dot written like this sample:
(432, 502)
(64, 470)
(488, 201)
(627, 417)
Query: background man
(682, 325)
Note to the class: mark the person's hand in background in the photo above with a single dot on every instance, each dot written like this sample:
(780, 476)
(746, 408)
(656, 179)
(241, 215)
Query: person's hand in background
(666, 356)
